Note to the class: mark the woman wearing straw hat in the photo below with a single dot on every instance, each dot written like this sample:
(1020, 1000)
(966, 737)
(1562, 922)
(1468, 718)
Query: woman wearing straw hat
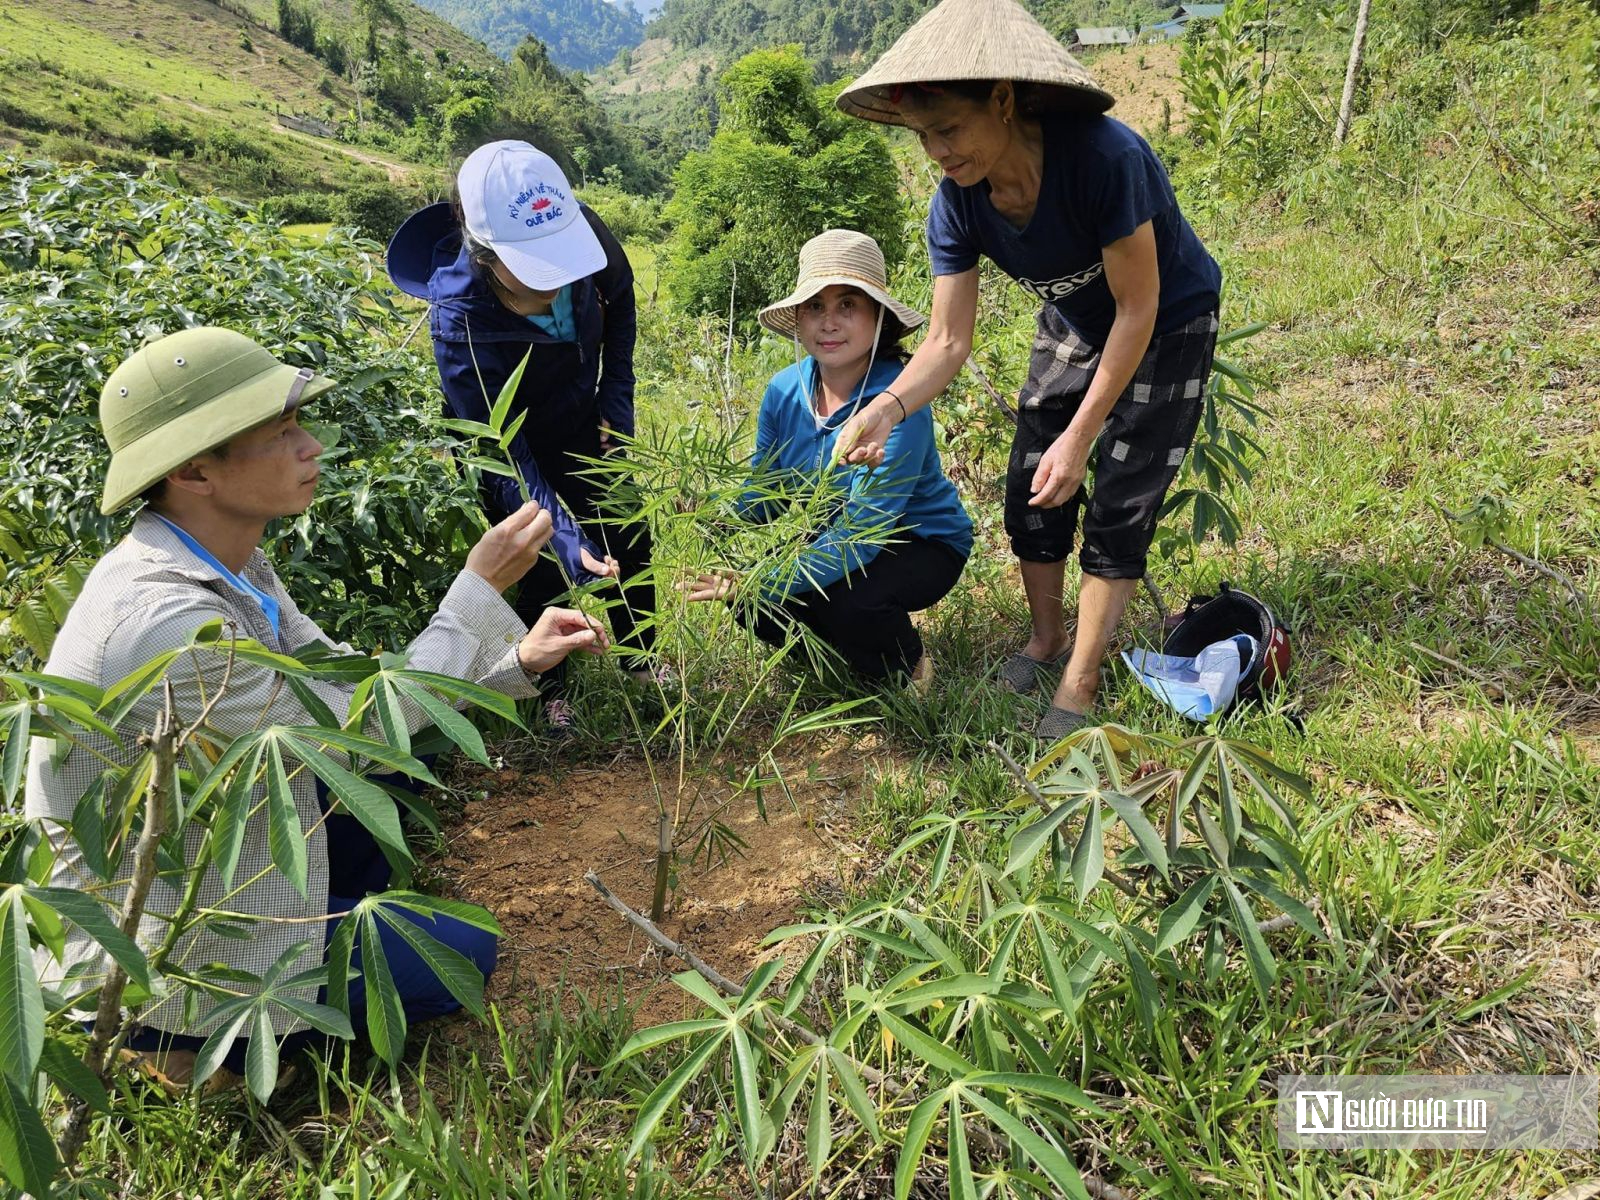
(856, 596)
(515, 266)
(1075, 207)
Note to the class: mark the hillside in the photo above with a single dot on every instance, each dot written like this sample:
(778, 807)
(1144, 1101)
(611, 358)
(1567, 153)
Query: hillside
(191, 85)
(209, 91)
(580, 34)
(663, 86)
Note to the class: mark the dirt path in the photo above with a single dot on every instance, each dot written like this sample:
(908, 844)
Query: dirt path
(522, 851)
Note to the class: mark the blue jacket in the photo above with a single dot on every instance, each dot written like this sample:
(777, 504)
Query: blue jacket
(908, 493)
(478, 343)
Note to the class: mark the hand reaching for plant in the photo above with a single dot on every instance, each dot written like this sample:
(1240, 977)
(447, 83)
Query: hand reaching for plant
(863, 436)
(713, 585)
(607, 445)
(504, 554)
(556, 634)
(606, 570)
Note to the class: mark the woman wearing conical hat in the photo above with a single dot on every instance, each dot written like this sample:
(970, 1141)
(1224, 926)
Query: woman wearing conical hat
(1076, 208)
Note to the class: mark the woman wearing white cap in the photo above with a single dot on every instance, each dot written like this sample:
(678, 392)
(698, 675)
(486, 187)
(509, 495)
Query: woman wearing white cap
(857, 596)
(1076, 208)
(516, 266)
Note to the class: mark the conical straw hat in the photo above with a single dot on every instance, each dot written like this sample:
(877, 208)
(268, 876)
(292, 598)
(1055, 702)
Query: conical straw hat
(840, 256)
(969, 40)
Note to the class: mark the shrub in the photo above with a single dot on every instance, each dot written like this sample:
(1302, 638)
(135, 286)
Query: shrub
(374, 209)
(168, 139)
(76, 307)
(299, 208)
(770, 180)
(225, 145)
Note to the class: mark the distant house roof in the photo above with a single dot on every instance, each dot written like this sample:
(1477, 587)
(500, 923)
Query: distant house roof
(1110, 35)
(1166, 31)
(1203, 12)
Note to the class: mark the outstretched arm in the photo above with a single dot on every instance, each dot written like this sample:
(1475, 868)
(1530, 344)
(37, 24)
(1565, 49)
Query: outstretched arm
(937, 361)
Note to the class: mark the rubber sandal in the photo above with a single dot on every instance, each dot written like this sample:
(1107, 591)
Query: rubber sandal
(1020, 673)
(1057, 723)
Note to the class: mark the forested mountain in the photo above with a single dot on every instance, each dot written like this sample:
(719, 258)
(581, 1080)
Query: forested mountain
(580, 34)
(832, 29)
(347, 110)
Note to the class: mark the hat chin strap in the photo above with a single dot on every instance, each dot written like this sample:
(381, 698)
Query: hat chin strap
(805, 388)
(292, 400)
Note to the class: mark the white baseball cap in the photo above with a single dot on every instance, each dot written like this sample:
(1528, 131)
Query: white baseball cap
(517, 201)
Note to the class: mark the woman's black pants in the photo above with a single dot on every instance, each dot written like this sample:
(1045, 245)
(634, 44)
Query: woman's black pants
(866, 616)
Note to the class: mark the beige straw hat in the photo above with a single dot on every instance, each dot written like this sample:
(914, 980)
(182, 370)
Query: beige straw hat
(961, 40)
(838, 256)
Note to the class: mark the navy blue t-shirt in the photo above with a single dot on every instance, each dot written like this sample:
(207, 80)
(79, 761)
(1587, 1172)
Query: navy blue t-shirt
(1101, 182)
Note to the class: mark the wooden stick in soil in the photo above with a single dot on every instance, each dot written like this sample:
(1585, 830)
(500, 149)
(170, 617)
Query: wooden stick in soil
(1095, 1187)
(108, 1016)
(658, 899)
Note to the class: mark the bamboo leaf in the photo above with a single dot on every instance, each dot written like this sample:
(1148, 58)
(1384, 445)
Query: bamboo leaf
(507, 396)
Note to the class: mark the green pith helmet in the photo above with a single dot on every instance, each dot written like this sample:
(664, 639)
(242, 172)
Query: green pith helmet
(186, 394)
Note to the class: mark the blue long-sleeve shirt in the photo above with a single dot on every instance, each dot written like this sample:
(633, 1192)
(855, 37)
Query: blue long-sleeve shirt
(478, 343)
(908, 493)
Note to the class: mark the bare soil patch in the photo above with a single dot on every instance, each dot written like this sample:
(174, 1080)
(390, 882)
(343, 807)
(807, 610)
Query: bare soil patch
(521, 852)
(1141, 77)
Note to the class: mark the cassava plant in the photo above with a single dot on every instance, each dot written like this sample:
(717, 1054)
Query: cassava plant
(172, 804)
(949, 1023)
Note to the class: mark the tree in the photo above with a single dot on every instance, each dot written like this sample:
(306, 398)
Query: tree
(1358, 44)
(783, 167)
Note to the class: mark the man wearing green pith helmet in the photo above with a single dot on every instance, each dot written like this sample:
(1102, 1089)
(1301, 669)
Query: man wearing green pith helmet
(204, 427)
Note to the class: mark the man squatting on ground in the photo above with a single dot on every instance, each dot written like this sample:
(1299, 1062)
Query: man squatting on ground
(203, 426)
